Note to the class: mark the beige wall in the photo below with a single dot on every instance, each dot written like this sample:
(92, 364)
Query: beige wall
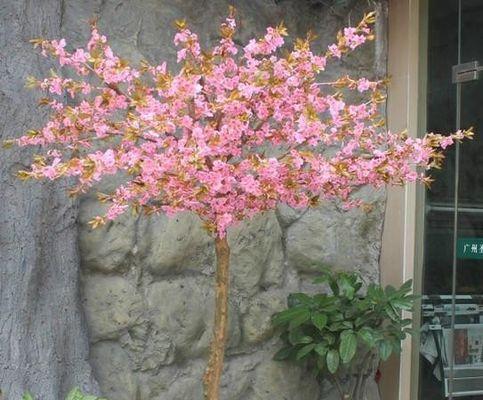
(406, 58)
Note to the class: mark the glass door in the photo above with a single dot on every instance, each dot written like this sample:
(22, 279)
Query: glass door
(451, 353)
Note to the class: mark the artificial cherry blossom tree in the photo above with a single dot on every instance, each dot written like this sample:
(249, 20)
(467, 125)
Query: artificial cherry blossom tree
(234, 132)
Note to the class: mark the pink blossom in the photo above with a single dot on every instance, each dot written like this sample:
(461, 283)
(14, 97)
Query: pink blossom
(446, 141)
(223, 222)
(250, 185)
(363, 85)
(335, 51)
(353, 39)
(55, 86)
(115, 211)
(228, 134)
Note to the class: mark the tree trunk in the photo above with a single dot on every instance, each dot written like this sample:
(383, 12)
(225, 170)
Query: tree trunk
(212, 377)
(43, 337)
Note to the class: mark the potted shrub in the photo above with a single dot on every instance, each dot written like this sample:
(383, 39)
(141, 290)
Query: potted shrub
(343, 334)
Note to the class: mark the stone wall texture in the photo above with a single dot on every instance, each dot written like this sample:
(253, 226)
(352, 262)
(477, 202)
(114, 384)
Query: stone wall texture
(147, 282)
(43, 336)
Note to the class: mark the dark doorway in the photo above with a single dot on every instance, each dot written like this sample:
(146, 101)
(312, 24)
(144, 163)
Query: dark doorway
(451, 362)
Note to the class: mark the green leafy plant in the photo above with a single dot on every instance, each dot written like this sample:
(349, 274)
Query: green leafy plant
(74, 394)
(345, 333)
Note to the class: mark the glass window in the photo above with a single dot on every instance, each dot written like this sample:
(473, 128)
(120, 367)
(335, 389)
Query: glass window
(451, 362)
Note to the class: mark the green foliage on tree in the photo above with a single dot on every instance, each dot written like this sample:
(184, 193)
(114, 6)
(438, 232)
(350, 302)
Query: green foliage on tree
(344, 334)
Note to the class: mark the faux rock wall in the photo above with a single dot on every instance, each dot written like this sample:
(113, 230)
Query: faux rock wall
(43, 335)
(147, 282)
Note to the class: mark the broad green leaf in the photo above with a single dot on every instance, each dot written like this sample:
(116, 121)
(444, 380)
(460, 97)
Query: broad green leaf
(394, 315)
(27, 396)
(403, 304)
(321, 349)
(336, 317)
(378, 335)
(321, 363)
(329, 337)
(333, 327)
(320, 279)
(299, 319)
(345, 333)
(361, 320)
(333, 286)
(304, 351)
(390, 290)
(375, 292)
(296, 299)
(286, 316)
(347, 324)
(347, 347)
(319, 320)
(329, 308)
(323, 299)
(325, 274)
(406, 286)
(297, 336)
(385, 349)
(345, 287)
(336, 326)
(75, 394)
(396, 346)
(305, 339)
(366, 334)
(332, 361)
(283, 354)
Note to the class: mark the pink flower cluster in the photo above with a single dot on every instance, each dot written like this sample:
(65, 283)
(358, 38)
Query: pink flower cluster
(232, 134)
